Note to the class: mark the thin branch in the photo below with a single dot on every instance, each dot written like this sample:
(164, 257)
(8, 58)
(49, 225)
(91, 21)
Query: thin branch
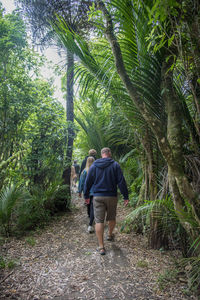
(6, 277)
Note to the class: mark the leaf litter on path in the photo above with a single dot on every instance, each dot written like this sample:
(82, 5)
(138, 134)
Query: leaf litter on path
(63, 264)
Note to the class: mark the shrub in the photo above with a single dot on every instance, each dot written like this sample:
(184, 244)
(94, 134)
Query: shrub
(9, 197)
(32, 213)
(58, 200)
(157, 219)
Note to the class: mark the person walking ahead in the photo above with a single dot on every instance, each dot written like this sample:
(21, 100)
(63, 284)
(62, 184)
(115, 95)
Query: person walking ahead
(104, 176)
(91, 152)
(77, 168)
(90, 209)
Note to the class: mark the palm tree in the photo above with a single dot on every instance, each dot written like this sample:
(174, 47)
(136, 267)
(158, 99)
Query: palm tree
(171, 151)
(145, 82)
(96, 72)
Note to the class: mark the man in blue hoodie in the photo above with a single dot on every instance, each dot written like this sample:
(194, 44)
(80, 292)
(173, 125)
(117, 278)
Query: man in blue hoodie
(104, 176)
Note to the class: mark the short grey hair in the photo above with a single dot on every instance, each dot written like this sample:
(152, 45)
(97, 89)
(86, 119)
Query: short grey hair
(105, 150)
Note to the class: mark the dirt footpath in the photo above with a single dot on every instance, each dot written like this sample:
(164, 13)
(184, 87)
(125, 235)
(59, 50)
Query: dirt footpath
(61, 263)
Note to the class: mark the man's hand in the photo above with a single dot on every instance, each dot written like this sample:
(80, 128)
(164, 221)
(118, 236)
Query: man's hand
(126, 201)
(87, 201)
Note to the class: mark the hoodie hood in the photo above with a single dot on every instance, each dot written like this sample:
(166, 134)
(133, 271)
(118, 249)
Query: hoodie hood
(103, 163)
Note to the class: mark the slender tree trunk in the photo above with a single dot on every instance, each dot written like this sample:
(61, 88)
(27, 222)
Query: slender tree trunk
(155, 235)
(143, 189)
(141, 196)
(70, 119)
(152, 182)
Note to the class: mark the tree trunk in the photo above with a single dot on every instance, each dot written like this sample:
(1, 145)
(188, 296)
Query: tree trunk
(180, 186)
(157, 238)
(141, 196)
(152, 182)
(70, 119)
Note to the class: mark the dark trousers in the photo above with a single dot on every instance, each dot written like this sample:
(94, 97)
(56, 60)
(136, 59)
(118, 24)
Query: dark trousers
(90, 211)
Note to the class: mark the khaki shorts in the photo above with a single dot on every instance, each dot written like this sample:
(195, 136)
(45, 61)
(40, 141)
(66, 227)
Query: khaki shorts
(103, 205)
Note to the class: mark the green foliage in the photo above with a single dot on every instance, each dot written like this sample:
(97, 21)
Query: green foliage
(9, 196)
(142, 264)
(41, 14)
(11, 264)
(32, 130)
(41, 205)
(188, 269)
(97, 73)
(32, 124)
(62, 200)
(132, 23)
(93, 126)
(191, 266)
(12, 33)
(135, 190)
(43, 162)
(196, 244)
(30, 241)
(22, 210)
(169, 276)
(142, 219)
(57, 199)
(25, 211)
(158, 15)
(133, 174)
(4, 263)
(32, 213)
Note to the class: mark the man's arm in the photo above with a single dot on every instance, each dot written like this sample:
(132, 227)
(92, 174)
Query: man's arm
(121, 182)
(88, 183)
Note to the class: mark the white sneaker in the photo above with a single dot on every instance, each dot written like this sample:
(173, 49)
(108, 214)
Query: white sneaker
(90, 229)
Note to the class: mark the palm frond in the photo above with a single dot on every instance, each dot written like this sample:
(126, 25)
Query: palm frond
(9, 197)
(191, 266)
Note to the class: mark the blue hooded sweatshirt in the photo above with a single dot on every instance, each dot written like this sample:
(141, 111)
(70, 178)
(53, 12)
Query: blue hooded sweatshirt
(104, 176)
(82, 182)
